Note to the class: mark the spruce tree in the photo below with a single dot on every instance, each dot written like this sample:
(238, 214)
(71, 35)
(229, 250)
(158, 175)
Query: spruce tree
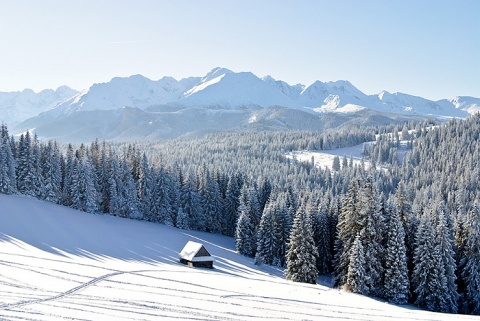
(8, 179)
(445, 244)
(189, 202)
(301, 253)
(51, 169)
(182, 219)
(115, 186)
(470, 262)
(396, 286)
(266, 236)
(282, 227)
(145, 188)
(371, 229)
(245, 238)
(231, 204)
(321, 235)
(347, 229)
(67, 184)
(428, 278)
(212, 206)
(356, 275)
(161, 210)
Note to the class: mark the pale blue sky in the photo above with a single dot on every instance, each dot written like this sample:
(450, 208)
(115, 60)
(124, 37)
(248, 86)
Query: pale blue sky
(428, 48)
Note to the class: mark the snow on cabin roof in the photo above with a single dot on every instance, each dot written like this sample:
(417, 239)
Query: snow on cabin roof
(194, 251)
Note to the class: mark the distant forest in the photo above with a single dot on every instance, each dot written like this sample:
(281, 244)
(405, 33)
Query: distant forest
(405, 228)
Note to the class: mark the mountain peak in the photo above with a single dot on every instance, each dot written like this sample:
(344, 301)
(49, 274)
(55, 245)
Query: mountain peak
(216, 72)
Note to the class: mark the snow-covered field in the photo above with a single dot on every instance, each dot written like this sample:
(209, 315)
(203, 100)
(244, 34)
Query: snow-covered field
(324, 158)
(57, 263)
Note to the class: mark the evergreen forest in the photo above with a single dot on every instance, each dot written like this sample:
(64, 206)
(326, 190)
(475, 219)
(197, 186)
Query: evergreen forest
(404, 227)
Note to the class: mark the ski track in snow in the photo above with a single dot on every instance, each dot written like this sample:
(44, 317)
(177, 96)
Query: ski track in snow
(248, 306)
(61, 295)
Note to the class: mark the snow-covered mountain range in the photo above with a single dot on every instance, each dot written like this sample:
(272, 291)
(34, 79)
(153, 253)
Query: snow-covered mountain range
(18, 106)
(137, 107)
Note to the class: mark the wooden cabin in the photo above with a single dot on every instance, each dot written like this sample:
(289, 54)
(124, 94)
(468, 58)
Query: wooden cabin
(196, 255)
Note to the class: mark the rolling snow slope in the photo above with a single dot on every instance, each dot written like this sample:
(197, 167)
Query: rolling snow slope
(57, 263)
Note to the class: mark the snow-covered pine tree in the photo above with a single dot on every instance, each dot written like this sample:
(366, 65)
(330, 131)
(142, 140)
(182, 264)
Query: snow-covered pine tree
(52, 172)
(396, 284)
(245, 241)
(162, 210)
(189, 202)
(8, 179)
(445, 244)
(282, 227)
(212, 206)
(347, 229)
(231, 204)
(254, 205)
(409, 222)
(301, 256)
(356, 275)
(321, 235)
(182, 219)
(128, 193)
(266, 236)
(24, 170)
(371, 233)
(67, 197)
(470, 261)
(102, 173)
(428, 276)
(115, 185)
(35, 175)
(145, 188)
(291, 202)
(264, 190)
(336, 163)
(84, 194)
(248, 220)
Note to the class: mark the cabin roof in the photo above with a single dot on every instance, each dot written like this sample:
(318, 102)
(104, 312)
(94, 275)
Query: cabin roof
(195, 252)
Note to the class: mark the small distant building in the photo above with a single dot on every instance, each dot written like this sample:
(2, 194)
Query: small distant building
(196, 255)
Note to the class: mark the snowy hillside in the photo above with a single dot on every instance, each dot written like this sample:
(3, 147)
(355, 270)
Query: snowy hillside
(58, 263)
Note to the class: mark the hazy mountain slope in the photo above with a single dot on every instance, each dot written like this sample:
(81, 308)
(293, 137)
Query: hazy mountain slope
(59, 263)
(18, 106)
(407, 104)
(134, 124)
(134, 91)
(470, 104)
